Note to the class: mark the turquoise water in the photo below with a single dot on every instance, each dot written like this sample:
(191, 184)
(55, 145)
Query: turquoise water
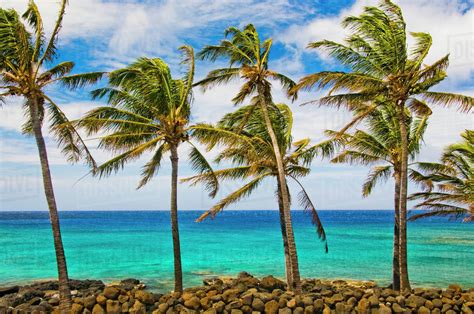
(116, 245)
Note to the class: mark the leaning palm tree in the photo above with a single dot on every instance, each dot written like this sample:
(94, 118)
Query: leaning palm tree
(378, 145)
(26, 70)
(248, 61)
(149, 112)
(449, 185)
(384, 73)
(250, 151)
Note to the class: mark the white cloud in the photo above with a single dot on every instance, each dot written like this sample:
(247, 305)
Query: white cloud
(451, 24)
(118, 32)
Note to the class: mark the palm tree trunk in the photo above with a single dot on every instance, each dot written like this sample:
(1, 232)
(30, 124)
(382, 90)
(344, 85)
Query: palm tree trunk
(178, 272)
(295, 272)
(404, 280)
(63, 279)
(285, 238)
(396, 233)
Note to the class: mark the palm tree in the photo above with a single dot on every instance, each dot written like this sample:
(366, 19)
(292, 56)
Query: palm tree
(250, 150)
(26, 69)
(384, 72)
(449, 185)
(149, 112)
(248, 61)
(378, 145)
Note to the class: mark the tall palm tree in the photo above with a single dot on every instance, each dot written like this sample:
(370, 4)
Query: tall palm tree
(26, 69)
(149, 112)
(384, 72)
(378, 145)
(449, 185)
(250, 151)
(248, 61)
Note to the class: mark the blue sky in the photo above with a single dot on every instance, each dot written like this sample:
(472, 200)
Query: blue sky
(106, 35)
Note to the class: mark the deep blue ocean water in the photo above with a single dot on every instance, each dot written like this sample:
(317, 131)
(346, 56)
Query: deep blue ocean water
(116, 245)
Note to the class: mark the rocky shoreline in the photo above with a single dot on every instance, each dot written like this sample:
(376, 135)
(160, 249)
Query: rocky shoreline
(243, 294)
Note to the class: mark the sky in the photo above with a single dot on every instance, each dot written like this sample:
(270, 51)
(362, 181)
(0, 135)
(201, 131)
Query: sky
(101, 35)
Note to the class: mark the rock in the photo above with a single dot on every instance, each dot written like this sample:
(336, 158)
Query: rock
(388, 293)
(53, 301)
(98, 309)
(340, 308)
(258, 305)
(163, 307)
(219, 306)
(237, 304)
(291, 303)
(374, 301)
(9, 290)
(396, 308)
(423, 310)
(318, 305)
(138, 308)
(144, 297)
(271, 307)
(445, 308)
(230, 294)
(210, 311)
(363, 306)
(270, 283)
(129, 284)
(455, 287)
(429, 305)
(309, 309)
(415, 301)
(384, 310)
(236, 311)
(77, 308)
(111, 293)
(284, 311)
(123, 298)
(437, 303)
(113, 307)
(101, 299)
(307, 301)
(89, 302)
(205, 303)
(125, 307)
(298, 310)
(193, 303)
(247, 298)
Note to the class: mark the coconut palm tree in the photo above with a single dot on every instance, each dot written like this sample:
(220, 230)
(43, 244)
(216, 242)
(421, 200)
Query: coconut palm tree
(26, 70)
(383, 71)
(449, 185)
(250, 151)
(149, 112)
(248, 58)
(378, 145)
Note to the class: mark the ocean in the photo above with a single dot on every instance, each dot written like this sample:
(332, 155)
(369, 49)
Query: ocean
(114, 245)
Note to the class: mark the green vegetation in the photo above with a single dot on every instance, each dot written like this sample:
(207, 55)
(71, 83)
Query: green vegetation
(250, 151)
(449, 185)
(384, 73)
(26, 70)
(247, 56)
(387, 88)
(149, 112)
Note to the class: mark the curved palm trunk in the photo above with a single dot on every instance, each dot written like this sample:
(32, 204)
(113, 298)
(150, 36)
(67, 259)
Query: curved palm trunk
(178, 272)
(295, 272)
(396, 234)
(404, 281)
(285, 238)
(63, 279)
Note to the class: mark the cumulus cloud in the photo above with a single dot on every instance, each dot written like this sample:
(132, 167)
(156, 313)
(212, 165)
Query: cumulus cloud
(449, 22)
